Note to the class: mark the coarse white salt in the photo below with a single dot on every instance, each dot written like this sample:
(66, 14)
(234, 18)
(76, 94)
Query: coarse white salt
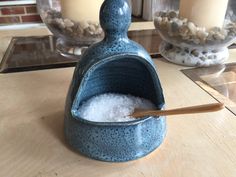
(112, 107)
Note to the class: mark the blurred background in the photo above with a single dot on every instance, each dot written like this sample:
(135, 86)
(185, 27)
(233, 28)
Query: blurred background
(25, 11)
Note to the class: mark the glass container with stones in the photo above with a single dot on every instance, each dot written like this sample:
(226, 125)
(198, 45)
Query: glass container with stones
(196, 33)
(74, 22)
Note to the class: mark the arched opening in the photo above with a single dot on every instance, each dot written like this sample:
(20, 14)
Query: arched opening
(131, 75)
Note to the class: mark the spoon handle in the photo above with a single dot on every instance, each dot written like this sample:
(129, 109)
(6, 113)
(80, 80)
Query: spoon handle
(185, 110)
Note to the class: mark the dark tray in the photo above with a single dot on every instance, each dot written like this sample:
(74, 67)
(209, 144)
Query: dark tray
(38, 53)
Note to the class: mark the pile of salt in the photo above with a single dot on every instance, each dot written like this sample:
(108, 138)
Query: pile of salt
(112, 107)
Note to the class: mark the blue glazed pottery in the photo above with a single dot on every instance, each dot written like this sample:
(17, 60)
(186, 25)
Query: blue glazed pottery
(114, 65)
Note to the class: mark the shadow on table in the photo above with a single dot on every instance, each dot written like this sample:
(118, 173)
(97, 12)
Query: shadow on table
(54, 123)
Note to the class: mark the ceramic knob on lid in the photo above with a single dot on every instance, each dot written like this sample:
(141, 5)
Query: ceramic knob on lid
(117, 22)
(114, 65)
(196, 32)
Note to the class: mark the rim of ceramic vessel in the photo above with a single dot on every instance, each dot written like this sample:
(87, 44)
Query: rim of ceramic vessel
(151, 69)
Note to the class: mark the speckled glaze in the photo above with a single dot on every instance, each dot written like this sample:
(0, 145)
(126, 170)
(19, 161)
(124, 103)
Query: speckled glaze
(114, 65)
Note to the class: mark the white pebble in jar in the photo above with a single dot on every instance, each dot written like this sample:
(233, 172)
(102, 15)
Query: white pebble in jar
(112, 107)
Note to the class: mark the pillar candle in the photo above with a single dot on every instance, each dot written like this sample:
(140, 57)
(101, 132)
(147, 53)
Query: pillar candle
(81, 10)
(204, 13)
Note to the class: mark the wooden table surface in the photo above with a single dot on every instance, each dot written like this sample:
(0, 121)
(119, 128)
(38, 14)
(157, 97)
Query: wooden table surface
(31, 129)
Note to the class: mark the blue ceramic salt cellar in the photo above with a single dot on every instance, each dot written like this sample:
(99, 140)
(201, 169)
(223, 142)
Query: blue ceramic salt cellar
(114, 65)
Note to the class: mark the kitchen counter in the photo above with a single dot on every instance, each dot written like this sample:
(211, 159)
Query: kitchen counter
(31, 128)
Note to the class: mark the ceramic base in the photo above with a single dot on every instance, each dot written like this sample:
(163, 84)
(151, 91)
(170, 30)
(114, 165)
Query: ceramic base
(193, 57)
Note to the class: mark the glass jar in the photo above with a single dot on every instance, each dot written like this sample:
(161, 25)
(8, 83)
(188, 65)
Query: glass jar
(75, 23)
(195, 33)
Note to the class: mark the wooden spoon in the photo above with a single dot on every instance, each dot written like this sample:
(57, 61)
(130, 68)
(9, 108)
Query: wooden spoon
(185, 110)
